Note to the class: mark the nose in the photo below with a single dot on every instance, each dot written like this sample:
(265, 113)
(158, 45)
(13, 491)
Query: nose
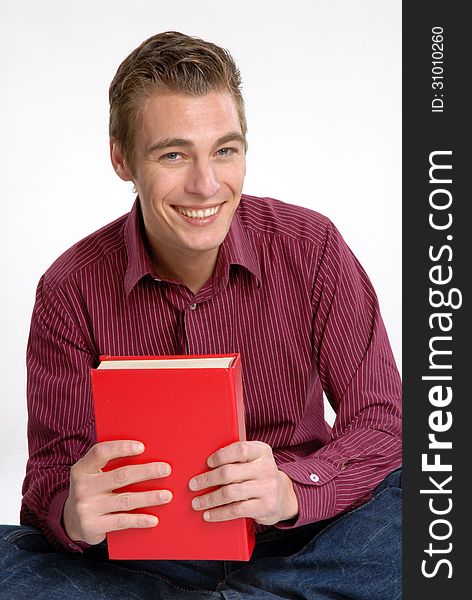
(202, 180)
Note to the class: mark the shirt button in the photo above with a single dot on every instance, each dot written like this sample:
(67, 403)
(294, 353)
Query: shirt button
(192, 306)
(314, 477)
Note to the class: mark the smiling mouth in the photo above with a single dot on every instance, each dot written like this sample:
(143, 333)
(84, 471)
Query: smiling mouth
(200, 213)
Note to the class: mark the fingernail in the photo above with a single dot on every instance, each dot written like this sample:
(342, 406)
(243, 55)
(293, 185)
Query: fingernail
(207, 515)
(193, 485)
(165, 470)
(166, 496)
(138, 446)
(151, 520)
(196, 503)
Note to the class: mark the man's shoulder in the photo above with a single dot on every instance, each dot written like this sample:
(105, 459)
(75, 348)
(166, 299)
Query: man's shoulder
(96, 249)
(270, 217)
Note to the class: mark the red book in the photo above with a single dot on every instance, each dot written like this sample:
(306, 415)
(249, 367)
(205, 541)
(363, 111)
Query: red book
(183, 408)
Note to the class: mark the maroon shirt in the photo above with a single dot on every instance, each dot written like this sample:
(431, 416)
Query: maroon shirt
(287, 293)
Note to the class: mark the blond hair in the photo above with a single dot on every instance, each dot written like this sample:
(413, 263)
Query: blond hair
(172, 61)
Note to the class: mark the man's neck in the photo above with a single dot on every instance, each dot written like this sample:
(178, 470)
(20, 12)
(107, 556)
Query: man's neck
(192, 270)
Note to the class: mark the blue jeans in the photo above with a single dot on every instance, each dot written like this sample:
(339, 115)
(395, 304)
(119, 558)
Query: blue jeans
(356, 556)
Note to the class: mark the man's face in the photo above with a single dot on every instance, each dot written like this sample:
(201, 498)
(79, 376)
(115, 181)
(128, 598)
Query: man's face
(189, 171)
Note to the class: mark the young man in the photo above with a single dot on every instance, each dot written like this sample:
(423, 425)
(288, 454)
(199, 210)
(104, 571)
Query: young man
(196, 267)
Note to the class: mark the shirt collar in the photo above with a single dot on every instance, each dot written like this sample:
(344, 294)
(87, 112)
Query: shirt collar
(139, 261)
(237, 249)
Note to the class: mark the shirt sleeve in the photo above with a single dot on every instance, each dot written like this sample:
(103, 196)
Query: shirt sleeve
(60, 413)
(361, 381)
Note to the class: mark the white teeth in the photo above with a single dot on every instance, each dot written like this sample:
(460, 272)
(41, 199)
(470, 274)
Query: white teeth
(198, 214)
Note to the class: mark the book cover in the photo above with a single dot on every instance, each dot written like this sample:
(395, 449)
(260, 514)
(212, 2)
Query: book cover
(183, 408)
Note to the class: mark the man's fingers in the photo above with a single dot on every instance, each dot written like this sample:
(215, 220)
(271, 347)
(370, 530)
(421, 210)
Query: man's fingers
(132, 500)
(123, 476)
(231, 473)
(226, 495)
(114, 522)
(100, 454)
(238, 452)
(236, 510)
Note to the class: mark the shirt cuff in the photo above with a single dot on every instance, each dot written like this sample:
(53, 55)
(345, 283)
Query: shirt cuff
(56, 525)
(314, 483)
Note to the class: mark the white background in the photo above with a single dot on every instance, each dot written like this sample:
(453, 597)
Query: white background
(322, 84)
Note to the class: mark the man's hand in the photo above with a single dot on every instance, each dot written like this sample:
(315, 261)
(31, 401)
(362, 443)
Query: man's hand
(92, 507)
(249, 485)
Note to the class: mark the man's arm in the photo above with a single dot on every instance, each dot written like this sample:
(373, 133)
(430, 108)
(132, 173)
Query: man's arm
(360, 378)
(60, 415)
(66, 494)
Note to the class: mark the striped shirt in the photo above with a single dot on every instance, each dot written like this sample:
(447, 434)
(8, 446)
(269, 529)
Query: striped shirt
(286, 293)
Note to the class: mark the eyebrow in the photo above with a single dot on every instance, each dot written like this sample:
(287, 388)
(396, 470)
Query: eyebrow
(232, 136)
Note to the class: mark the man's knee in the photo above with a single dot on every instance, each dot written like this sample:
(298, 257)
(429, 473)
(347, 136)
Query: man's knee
(392, 480)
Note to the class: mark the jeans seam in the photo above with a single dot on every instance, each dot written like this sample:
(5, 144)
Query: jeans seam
(17, 534)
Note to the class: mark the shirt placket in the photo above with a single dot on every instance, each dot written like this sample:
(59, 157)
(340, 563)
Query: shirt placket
(196, 322)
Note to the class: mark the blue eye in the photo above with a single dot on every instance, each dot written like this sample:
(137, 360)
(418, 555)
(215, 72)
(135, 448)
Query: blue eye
(225, 151)
(172, 156)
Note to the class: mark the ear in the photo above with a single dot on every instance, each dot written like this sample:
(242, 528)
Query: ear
(119, 162)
